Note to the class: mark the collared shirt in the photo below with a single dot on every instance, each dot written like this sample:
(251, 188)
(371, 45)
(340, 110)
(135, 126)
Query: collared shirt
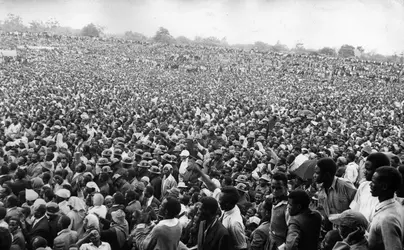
(386, 226)
(233, 222)
(363, 201)
(37, 220)
(339, 196)
(91, 246)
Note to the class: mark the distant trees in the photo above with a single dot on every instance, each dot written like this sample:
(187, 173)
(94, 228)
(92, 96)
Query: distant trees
(13, 23)
(261, 46)
(163, 36)
(183, 40)
(91, 30)
(135, 36)
(346, 51)
(327, 51)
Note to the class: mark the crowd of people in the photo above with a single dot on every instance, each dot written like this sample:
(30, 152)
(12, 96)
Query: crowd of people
(114, 144)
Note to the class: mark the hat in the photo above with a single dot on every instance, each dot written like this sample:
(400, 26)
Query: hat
(144, 164)
(177, 149)
(138, 152)
(127, 161)
(118, 216)
(103, 162)
(63, 193)
(106, 169)
(145, 179)
(199, 163)
(93, 185)
(241, 187)
(218, 152)
(261, 138)
(349, 218)
(185, 153)
(147, 156)
(174, 192)
(168, 166)
(367, 149)
(118, 152)
(181, 185)
(254, 219)
(154, 170)
(107, 153)
(116, 177)
(52, 208)
(241, 179)
(30, 195)
(265, 178)
(140, 187)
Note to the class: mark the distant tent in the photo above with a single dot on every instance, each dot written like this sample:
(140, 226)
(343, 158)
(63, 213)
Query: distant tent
(8, 53)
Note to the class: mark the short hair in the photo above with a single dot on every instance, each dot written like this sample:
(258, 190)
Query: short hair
(378, 160)
(150, 190)
(300, 197)
(210, 204)
(327, 165)
(131, 195)
(38, 242)
(231, 195)
(119, 198)
(65, 221)
(391, 176)
(351, 156)
(4, 170)
(172, 207)
(227, 180)
(12, 201)
(268, 204)
(5, 238)
(279, 176)
(20, 174)
(3, 212)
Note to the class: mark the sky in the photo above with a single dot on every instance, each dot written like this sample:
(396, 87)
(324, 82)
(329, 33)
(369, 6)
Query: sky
(376, 25)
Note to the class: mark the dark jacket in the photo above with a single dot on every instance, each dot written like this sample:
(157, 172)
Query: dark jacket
(41, 228)
(304, 231)
(216, 238)
(156, 184)
(53, 222)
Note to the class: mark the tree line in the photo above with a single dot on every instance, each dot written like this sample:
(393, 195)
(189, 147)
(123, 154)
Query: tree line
(14, 23)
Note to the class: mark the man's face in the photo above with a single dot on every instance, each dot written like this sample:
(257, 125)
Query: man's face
(95, 236)
(166, 171)
(369, 171)
(203, 213)
(14, 120)
(293, 208)
(13, 225)
(278, 188)
(344, 231)
(376, 187)
(224, 205)
(258, 198)
(318, 176)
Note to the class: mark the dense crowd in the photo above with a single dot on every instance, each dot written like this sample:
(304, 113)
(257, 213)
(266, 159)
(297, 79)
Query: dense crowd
(114, 144)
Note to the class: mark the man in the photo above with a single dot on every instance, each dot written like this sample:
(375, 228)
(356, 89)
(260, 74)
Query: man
(386, 227)
(155, 180)
(40, 226)
(212, 234)
(366, 151)
(168, 181)
(65, 237)
(351, 170)
(183, 165)
(279, 215)
(363, 201)
(304, 224)
(231, 218)
(352, 226)
(335, 194)
(96, 242)
(52, 213)
(121, 184)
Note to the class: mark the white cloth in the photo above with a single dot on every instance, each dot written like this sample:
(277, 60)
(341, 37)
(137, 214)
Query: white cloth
(363, 201)
(351, 172)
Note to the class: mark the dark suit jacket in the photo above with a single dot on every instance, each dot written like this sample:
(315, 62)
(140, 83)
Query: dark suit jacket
(304, 231)
(41, 228)
(217, 237)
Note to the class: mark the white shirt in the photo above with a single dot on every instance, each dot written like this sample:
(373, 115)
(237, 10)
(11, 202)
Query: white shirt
(91, 246)
(363, 201)
(351, 172)
(233, 222)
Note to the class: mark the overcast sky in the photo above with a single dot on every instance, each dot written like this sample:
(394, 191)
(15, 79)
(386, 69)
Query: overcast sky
(377, 25)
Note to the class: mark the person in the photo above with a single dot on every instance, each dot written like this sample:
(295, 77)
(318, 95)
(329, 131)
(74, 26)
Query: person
(168, 181)
(259, 237)
(77, 214)
(5, 238)
(91, 222)
(40, 225)
(335, 194)
(65, 237)
(167, 233)
(212, 235)
(52, 213)
(231, 217)
(351, 170)
(364, 202)
(279, 214)
(117, 232)
(95, 242)
(352, 227)
(304, 224)
(386, 226)
(98, 206)
(18, 237)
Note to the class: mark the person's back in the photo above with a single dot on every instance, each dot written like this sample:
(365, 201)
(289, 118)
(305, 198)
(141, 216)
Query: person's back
(167, 236)
(309, 223)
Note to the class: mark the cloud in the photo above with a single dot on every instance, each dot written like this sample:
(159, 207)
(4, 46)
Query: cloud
(374, 24)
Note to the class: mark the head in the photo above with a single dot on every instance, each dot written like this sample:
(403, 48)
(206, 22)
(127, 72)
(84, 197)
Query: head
(400, 191)
(228, 198)
(349, 221)
(40, 211)
(325, 170)
(279, 185)
(5, 238)
(385, 182)
(63, 222)
(298, 201)
(149, 192)
(209, 208)
(373, 162)
(14, 224)
(170, 208)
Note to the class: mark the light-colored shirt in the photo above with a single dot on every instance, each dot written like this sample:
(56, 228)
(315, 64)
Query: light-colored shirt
(363, 201)
(351, 172)
(386, 226)
(91, 246)
(233, 222)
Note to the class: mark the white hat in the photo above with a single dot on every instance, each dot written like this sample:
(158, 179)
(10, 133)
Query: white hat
(63, 193)
(31, 195)
(184, 153)
(181, 185)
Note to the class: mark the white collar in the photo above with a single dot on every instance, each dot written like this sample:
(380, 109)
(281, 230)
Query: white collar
(383, 204)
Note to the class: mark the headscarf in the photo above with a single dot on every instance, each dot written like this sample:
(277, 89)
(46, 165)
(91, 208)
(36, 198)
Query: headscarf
(37, 183)
(92, 222)
(121, 226)
(77, 204)
(99, 208)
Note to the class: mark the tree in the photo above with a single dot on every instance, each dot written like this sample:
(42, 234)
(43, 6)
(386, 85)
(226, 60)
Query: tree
(91, 30)
(346, 51)
(163, 36)
(52, 23)
(278, 47)
(13, 23)
(183, 40)
(135, 36)
(327, 51)
(37, 26)
(261, 46)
